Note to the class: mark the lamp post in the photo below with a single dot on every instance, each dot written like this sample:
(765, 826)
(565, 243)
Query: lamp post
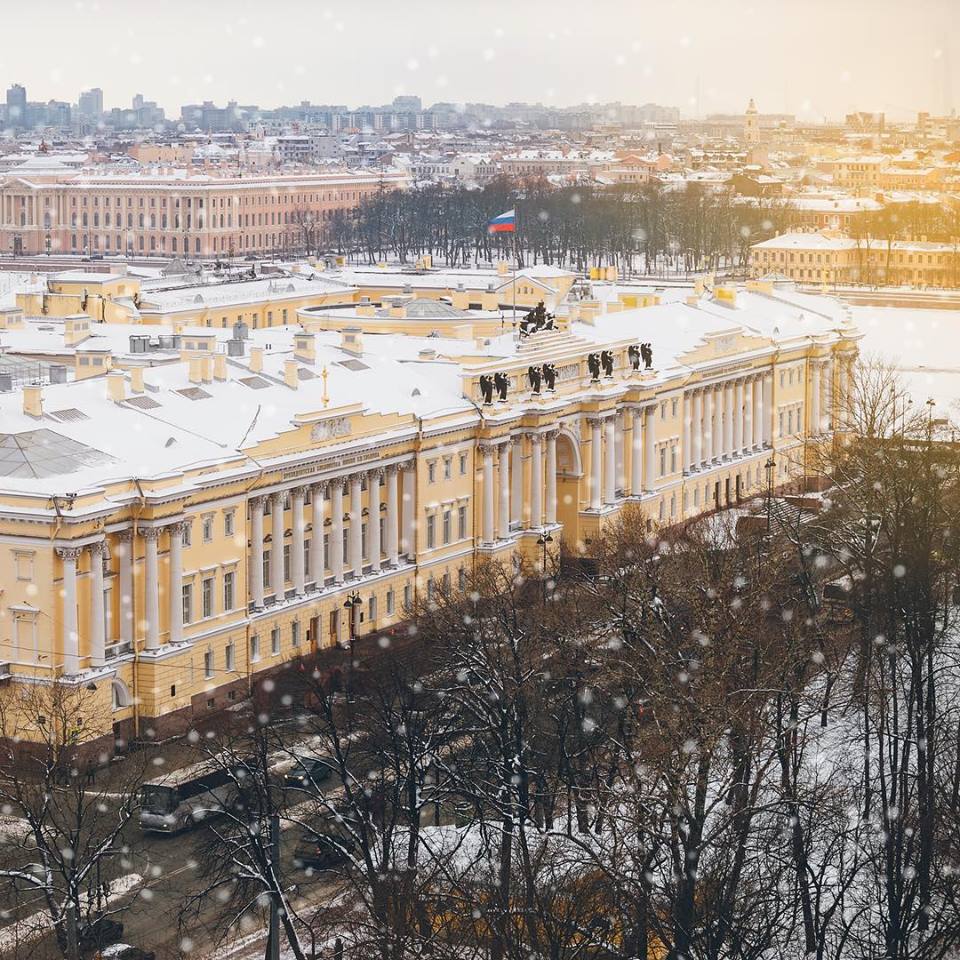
(769, 466)
(350, 605)
(542, 542)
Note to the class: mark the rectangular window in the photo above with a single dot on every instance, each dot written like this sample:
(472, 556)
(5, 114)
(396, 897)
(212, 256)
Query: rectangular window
(254, 648)
(295, 633)
(431, 531)
(229, 583)
(390, 603)
(431, 472)
(275, 641)
(228, 523)
(207, 596)
(229, 656)
(187, 535)
(266, 567)
(462, 522)
(372, 609)
(446, 526)
(187, 602)
(208, 664)
(463, 464)
(407, 596)
(286, 562)
(447, 468)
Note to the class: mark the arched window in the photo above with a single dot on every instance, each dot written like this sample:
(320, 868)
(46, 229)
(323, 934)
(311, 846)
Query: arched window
(119, 695)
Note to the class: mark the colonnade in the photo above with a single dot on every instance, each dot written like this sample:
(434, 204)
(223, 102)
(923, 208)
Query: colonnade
(728, 419)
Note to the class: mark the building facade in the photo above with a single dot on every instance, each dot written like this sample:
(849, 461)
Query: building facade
(44, 207)
(169, 536)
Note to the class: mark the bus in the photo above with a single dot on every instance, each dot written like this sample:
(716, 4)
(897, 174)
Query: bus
(183, 798)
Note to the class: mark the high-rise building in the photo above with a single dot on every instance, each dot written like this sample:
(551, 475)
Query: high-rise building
(17, 105)
(91, 104)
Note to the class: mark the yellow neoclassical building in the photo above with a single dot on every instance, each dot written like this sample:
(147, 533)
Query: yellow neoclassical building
(169, 533)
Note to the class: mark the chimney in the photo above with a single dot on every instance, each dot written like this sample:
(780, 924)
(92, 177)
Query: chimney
(351, 340)
(206, 369)
(503, 268)
(33, 400)
(290, 377)
(136, 379)
(305, 348)
(256, 359)
(220, 367)
(460, 299)
(116, 386)
(693, 300)
(195, 365)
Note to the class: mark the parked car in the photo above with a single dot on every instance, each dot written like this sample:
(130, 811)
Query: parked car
(320, 851)
(308, 772)
(125, 951)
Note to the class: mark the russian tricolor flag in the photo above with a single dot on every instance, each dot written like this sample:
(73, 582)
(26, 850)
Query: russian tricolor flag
(505, 223)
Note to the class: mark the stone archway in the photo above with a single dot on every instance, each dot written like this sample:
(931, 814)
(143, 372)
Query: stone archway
(120, 697)
(569, 475)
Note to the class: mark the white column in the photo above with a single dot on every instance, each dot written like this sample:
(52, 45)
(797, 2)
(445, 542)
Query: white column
(768, 409)
(687, 444)
(317, 559)
(649, 448)
(728, 421)
(826, 396)
(393, 549)
(336, 529)
(737, 440)
(596, 462)
(256, 549)
(175, 582)
(503, 522)
(815, 425)
(757, 413)
(356, 526)
(125, 552)
(551, 469)
(717, 423)
(71, 639)
(610, 461)
(487, 452)
(636, 455)
(516, 481)
(536, 482)
(747, 416)
(373, 521)
(98, 640)
(151, 588)
(618, 430)
(409, 509)
(297, 496)
(708, 425)
(276, 547)
(696, 431)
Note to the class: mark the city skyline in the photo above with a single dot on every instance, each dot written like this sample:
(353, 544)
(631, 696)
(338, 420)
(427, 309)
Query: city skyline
(687, 55)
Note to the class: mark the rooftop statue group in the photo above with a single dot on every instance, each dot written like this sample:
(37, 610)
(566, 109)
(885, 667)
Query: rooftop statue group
(538, 375)
(536, 320)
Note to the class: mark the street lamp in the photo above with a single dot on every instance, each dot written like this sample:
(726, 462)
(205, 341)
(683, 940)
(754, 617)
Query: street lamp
(769, 466)
(351, 604)
(542, 542)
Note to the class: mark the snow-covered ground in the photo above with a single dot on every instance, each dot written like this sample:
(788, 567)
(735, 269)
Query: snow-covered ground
(924, 345)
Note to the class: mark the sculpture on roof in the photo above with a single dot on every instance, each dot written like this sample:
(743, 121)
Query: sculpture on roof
(647, 351)
(606, 361)
(534, 376)
(550, 376)
(502, 382)
(536, 320)
(486, 388)
(633, 354)
(593, 365)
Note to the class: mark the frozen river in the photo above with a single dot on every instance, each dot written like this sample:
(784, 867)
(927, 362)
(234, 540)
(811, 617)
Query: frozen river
(924, 345)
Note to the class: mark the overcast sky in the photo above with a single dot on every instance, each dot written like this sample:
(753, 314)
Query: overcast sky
(814, 58)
